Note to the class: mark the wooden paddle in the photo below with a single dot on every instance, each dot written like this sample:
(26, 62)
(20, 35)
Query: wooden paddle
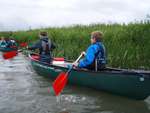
(60, 82)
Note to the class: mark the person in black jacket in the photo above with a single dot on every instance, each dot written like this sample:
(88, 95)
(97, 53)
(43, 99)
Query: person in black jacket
(45, 47)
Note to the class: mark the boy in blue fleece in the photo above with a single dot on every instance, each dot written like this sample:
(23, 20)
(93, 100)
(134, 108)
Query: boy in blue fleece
(95, 58)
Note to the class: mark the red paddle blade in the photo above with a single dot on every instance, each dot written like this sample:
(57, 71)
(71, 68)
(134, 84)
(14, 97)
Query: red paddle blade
(60, 82)
(24, 44)
(13, 47)
(9, 55)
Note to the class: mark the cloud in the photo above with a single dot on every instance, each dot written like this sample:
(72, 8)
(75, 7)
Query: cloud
(22, 14)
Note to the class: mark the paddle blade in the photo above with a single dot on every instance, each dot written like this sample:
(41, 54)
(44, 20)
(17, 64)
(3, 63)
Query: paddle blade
(13, 47)
(9, 55)
(60, 82)
(24, 44)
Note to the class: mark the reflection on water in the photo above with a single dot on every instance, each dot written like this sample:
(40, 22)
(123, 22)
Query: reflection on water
(23, 91)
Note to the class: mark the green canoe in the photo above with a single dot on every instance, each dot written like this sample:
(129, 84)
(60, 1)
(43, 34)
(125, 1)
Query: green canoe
(133, 84)
(5, 49)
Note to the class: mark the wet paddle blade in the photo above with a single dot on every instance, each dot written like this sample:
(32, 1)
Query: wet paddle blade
(9, 55)
(62, 79)
(60, 82)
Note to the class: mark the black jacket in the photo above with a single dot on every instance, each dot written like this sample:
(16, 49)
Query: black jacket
(44, 45)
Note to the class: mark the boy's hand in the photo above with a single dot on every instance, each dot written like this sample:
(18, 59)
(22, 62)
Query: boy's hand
(83, 53)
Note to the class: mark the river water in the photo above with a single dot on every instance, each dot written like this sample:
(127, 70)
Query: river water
(23, 91)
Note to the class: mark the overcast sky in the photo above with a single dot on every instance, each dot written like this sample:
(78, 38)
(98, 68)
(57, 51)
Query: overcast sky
(22, 14)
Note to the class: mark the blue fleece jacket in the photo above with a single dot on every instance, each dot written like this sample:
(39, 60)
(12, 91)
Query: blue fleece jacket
(91, 52)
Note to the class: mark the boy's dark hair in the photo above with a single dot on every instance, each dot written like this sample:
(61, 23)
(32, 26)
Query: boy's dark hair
(44, 33)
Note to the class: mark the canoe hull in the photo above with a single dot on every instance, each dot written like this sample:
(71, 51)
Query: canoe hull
(3, 49)
(129, 85)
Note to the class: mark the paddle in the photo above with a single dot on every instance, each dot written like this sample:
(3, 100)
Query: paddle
(60, 82)
(10, 54)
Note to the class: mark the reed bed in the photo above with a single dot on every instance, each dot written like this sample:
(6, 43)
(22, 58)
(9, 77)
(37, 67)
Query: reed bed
(128, 46)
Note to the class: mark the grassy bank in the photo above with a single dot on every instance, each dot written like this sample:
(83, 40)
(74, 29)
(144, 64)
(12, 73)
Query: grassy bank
(128, 46)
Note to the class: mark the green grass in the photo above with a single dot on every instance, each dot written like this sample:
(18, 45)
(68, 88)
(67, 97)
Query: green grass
(128, 46)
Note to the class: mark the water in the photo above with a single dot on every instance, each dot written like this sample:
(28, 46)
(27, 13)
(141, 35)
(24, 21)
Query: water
(23, 91)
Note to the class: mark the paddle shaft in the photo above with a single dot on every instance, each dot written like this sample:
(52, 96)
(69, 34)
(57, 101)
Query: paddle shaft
(78, 58)
(74, 63)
